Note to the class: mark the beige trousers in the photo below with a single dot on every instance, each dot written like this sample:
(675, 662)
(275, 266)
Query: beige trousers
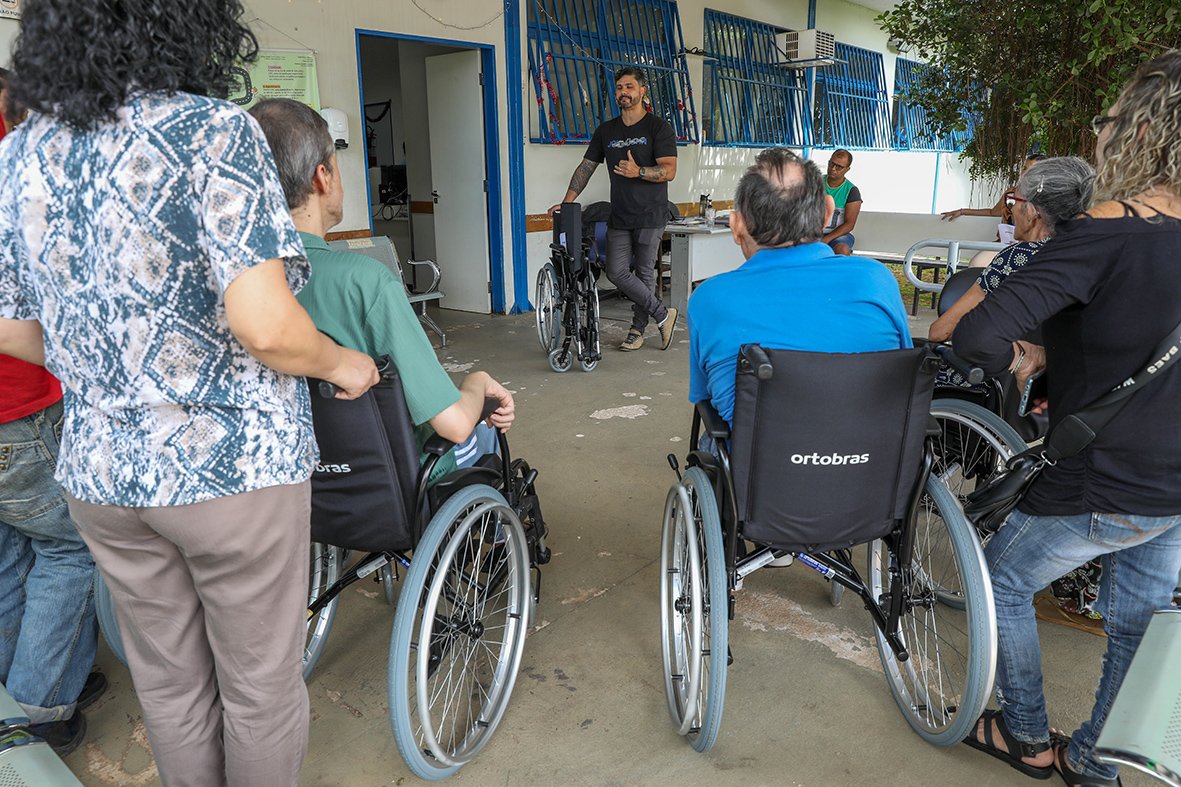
(211, 599)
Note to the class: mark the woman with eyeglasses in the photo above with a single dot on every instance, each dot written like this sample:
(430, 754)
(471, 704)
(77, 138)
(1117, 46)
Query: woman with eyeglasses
(1003, 209)
(1105, 292)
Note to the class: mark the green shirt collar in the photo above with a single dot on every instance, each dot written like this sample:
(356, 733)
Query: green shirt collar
(311, 241)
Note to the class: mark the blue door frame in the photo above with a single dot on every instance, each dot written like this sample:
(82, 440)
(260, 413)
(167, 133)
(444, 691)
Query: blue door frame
(491, 159)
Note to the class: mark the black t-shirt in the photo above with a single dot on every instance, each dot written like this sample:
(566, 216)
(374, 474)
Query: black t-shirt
(1108, 290)
(635, 203)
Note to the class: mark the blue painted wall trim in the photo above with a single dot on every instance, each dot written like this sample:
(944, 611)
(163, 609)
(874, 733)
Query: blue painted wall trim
(935, 187)
(491, 152)
(516, 155)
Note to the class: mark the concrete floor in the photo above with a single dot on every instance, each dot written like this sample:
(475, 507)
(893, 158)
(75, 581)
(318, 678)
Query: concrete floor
(806, 701)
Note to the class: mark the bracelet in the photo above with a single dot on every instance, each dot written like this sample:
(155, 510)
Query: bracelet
(1020, 360)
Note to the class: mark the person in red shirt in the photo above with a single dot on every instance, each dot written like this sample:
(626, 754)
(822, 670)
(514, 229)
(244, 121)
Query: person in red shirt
(48, 634)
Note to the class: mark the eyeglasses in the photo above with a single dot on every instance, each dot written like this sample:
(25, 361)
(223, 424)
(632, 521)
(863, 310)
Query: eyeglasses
(1013, 199)
(1099, 121)
(833, 165)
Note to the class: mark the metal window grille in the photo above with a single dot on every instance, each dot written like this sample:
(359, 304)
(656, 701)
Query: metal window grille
(750, 99)
(852, 109)
(912, 129)
(575, 47)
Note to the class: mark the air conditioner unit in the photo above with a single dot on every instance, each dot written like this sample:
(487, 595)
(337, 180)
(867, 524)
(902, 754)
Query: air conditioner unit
(808, 44)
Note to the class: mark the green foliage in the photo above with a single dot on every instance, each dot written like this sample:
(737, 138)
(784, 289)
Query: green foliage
(1024, 72)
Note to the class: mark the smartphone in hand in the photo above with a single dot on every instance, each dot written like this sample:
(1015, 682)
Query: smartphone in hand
(1028, 397)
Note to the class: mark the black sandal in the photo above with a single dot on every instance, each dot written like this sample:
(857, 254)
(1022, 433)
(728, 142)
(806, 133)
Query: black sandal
(1074, 778)
(1022, 749)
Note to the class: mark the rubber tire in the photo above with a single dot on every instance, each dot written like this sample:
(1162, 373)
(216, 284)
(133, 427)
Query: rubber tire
(982, 419)
(104, 610)
(714, 568)
(315, 642)
(548, 278)
(405, 630)
(561, 368)
(389, 589)
(592, 329)
(981, 625)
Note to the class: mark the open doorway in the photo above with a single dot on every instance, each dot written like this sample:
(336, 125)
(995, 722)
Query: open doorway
(432, 149)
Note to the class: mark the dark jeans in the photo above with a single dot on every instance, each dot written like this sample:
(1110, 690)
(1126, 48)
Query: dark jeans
(627, 249)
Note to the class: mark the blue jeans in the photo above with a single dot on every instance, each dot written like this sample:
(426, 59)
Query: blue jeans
(47, 628)
(1141, 556)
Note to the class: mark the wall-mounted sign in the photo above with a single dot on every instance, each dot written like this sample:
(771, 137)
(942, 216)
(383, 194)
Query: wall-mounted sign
(277, 73)
(10, 9)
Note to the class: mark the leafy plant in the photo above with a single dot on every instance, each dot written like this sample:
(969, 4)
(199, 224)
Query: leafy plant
(1024, 74)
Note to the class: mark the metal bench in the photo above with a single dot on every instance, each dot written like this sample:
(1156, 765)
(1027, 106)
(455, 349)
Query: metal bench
(380, 248)
(1143, 730)
(26, 760)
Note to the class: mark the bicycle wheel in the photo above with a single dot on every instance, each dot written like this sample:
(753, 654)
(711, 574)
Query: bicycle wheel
(459, 632)
(590, 342)
(973, 445)
(327, 563)
(694, 609)
(943, 686)
(549, 313)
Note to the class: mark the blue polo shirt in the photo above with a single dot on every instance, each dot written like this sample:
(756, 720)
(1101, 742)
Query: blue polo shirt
(796, 298)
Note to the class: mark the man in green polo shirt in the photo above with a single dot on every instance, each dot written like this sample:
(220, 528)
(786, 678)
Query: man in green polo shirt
(361, 304)
(838, 234)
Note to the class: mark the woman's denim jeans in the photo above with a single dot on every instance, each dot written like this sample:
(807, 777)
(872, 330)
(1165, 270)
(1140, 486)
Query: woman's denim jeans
(1141, 558)
(47, 628)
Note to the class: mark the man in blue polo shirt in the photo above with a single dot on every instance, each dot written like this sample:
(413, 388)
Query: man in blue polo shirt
(793, 292)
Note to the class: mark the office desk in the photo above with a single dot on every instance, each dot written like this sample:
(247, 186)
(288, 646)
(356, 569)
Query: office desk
(698, 252)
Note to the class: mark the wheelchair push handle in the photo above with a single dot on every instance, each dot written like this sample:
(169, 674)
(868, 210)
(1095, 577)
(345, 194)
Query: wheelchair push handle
(384, 364)
(759, 361)
(973, 374)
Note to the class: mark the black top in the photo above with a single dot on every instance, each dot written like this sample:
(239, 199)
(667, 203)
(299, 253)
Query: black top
(1108, 291)
(635, 203)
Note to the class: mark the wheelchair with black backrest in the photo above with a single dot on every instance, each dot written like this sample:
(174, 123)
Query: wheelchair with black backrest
(471, 546)
(828, 452)
(567, 297)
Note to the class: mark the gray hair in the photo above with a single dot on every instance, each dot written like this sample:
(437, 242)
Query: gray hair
(299, 141)
(781, 198)
(1060, 188)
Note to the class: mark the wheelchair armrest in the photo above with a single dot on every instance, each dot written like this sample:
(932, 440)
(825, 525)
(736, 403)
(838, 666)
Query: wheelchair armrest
(933, 427)
(437, 445)
(436, 274)
(715, 426)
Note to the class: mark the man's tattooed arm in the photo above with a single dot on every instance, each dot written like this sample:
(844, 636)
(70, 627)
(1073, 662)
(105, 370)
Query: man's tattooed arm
(656, 174)
(582, 176)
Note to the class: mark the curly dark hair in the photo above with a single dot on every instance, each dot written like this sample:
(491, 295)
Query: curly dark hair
(78, 61)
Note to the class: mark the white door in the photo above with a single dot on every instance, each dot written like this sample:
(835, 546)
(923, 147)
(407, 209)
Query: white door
(455, 112)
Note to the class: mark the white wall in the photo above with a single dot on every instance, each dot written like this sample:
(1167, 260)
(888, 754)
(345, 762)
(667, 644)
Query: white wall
(8, 31)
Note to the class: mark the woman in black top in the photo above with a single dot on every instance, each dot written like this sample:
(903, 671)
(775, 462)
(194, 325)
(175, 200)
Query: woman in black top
(1105, 291)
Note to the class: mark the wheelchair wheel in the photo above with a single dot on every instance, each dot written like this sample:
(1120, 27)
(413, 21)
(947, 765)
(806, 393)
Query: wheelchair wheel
(836, 592)
(549, 313)
(327, 563)
(459, 632)
(943, 687)
(559, 364)
(590, 342)
(385, 575)
(974, 444)
(694, 609)
(104, 610)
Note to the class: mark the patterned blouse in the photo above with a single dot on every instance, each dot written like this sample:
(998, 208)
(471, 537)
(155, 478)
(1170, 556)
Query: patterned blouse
(122, 241)
(1007, 260)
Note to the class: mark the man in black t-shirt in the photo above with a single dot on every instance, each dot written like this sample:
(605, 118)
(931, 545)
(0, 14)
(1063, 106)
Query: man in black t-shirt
(641, 150)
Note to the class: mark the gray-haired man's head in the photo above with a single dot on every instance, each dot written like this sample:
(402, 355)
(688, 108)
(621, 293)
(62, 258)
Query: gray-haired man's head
(781, 199)
(1060, 188)
(299, 141)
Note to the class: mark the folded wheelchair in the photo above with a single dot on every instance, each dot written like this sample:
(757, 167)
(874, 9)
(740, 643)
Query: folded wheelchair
(567, 297)
(828, 452)
(470, 547)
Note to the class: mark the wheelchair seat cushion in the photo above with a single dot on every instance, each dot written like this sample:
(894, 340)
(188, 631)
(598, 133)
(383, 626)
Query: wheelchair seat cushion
(827, 453)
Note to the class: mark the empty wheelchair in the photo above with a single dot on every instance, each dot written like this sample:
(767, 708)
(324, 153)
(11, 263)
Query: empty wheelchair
(467, 549)
(791, 477)
(568, 298)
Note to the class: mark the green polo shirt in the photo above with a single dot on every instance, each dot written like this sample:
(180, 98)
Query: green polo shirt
(361, 304)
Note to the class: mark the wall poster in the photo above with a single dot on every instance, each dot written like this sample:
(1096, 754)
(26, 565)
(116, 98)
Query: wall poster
(277, 73)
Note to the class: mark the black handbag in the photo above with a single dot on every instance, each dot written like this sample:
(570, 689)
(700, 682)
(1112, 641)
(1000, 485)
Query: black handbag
(988, 507)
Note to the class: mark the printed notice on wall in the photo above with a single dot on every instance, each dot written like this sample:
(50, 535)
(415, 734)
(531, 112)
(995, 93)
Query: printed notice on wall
(10, 9)
(277, 73)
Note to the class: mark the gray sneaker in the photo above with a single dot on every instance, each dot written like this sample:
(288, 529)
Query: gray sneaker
(634, 341)
(667, 328)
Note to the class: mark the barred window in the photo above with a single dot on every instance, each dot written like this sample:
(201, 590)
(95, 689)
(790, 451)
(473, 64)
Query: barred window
(912, 129)
(852, 109)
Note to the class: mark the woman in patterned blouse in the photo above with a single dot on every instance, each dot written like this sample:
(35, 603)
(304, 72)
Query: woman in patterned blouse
(1048, 195)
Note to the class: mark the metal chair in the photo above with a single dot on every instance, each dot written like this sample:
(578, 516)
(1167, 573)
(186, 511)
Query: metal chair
(25, 759)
